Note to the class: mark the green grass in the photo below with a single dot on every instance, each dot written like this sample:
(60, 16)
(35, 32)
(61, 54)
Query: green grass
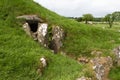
(19, 58)
(84, 39)
(115, 73)
(116, 25)
(19, 54)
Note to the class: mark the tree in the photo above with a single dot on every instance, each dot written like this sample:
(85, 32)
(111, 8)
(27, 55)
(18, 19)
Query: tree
(87, 17)
(97, 19)
(117, 15)
(79, 19)
(110, 18)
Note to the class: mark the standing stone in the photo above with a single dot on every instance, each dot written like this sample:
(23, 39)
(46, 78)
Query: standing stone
(41, 33)
(117, 55)
(26, 28)
(57, 37)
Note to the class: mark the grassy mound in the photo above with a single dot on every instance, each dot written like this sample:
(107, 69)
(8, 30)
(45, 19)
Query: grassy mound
(19, 54)
(19, 58)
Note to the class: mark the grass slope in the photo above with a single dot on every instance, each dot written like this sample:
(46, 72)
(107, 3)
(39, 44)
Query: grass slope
(19, 55)
(19, 58)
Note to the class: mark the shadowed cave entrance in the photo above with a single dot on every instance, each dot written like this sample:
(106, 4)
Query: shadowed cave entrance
(33, 25)
(47, 40)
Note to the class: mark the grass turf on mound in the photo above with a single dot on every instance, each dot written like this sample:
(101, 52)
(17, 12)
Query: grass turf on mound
(19, 54)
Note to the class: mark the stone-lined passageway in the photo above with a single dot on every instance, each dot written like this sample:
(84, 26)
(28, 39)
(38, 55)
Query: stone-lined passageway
(36, 28)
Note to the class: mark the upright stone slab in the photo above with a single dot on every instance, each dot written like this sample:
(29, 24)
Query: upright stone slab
(41, 33)
(57, 38)
(117, 55)
(26, 28)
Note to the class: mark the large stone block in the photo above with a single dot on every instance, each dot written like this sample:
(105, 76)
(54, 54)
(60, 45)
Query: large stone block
(41, 33)
(117, 55)
(101, 67)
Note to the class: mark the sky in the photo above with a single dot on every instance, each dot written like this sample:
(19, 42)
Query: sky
(76, 8)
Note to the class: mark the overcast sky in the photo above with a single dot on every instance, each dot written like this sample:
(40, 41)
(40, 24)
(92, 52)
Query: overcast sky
(73, 8)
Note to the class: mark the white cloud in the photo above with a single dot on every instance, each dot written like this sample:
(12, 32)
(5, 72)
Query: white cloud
(80, 7)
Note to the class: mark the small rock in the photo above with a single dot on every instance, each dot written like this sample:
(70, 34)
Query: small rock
(83, 60)
(41, 67)
(84, 78)
(90, 22)
(43, 61)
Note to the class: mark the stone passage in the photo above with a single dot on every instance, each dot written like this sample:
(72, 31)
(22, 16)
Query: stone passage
(101, 67)
(36, 28)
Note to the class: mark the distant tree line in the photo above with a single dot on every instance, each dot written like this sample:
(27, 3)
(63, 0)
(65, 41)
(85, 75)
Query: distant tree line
(109, 18)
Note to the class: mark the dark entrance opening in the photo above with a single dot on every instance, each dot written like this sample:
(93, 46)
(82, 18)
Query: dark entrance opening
(33, 25)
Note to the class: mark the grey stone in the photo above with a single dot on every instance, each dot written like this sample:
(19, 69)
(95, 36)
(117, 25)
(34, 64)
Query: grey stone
(84, 78)
(41, 67)
(43, 61)
(117, 55)
(101, 67)
(26, 28)
(83, 60)
(41, 33)
(30, 18)
(57, 37)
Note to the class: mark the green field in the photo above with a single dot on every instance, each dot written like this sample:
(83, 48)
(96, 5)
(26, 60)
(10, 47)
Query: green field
(19, 54)
(116, 25)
